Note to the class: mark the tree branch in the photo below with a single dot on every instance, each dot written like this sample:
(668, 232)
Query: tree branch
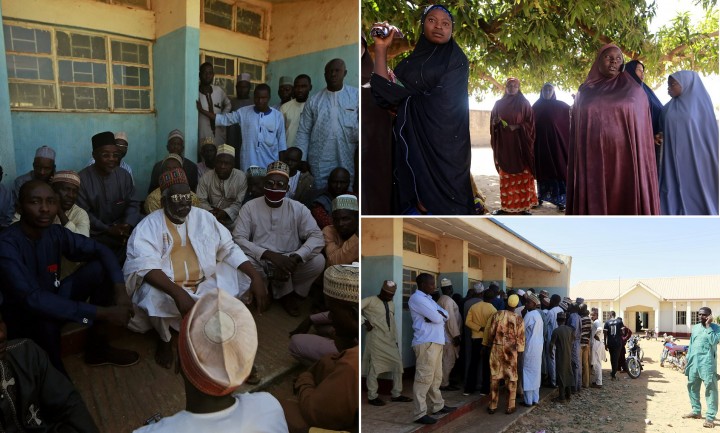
(680, 48)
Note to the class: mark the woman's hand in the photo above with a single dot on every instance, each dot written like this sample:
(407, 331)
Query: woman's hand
(384, 43)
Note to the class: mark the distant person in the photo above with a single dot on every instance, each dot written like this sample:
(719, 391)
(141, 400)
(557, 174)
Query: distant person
(689, 166)
(610, 173)
(212, 98)
(598, 357)
(636, 69)
(453, 325)
(285, 91)
(301, 182)
(338, 183)
(614, 342)
(561, 341)
(208, 152)
(532, 356)
(242, 98)
(176, 145)
(43, 169)
(701, 366)
(292, 109)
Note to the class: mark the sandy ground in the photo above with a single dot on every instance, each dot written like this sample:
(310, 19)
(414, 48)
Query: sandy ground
(654, 402)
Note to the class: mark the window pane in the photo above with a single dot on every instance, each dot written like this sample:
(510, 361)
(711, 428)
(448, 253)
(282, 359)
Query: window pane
(222, 65)
(409, 242)
(26, 95)
(249, 22)
(79, 45)
(256, 71)
(32, 68)
(131, 99)
(82, 72)
(227, 84)
(218, 14)
(26, 40)
(131, 76)
(84, 98)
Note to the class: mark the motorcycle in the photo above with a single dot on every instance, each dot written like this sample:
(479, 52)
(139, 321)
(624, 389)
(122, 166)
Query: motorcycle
(673, 353)
(635, 356)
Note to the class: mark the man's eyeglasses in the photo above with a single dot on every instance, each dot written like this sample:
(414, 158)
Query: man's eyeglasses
(180, 198)
(269, 183)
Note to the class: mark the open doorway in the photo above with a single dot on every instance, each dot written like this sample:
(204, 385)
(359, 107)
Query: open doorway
(641, 321)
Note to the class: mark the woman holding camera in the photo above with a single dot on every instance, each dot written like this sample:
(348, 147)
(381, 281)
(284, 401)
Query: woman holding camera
(432, 132)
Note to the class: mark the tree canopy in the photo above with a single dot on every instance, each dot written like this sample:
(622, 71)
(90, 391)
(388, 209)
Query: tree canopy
(557, 40)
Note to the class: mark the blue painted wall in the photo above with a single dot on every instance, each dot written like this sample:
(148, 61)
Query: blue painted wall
(7, 149)
(459, 281)
(176, 62)
(70, 135)
(313, 64)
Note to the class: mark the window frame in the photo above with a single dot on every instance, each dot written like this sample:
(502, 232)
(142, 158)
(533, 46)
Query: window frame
(263, 12)
(108, 62)
(682, 314)
(236, 65)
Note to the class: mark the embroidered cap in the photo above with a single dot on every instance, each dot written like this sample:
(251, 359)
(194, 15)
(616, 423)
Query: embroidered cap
(176, 176)
(389, 286)
(255, 171)
(533, 298)
(341, 282)
(45, 152)
(278, 167)
(445, 282)
(208, 140)
(244, 77)
(217, 344)
(345, 201)
(286, 81)
(176, 133)
(67, 176)
(226, 149)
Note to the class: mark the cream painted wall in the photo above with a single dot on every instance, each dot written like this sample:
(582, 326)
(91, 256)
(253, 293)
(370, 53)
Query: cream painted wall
(493, 267)
(640, 297)
(528, 277)
(236, 44)
(381, 237)
(453, 255)
(174, 14)
(419, 261)
(309, 26)
(475, 274)
(85, 14)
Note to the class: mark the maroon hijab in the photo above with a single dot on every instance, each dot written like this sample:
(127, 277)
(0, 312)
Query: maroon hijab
(513, 149)
(611, 164)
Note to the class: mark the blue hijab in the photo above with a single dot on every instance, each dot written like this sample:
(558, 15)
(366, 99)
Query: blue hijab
(689, 167)
(656, 106)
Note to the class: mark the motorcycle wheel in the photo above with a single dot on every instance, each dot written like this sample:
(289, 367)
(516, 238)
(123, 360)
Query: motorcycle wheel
(633, 366)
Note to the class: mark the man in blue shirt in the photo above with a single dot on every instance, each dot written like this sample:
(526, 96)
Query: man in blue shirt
(35, 302)
(428, 340)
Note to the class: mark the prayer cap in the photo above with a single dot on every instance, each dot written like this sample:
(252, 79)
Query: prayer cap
(521, 292)
(225, 149)
(106, 138)
(580, 301)
(278, 167)
(208, 140)
(479, 287)
(244, 77)
(174, 156)
(176, 176)
(513, 301)
(176, 133)
(561, 315)
(389, 286)
(45, 152)
(545, 293)
(217, 344)
(564, 305)
(121, 136)
(341, 282)
(533, 298)
(255, 171)
(345, 201)
(286, 81)
(67, 176)
(445, 282)
(599, 331)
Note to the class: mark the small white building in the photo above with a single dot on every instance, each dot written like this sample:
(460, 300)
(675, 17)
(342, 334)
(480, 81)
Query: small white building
(669, 304)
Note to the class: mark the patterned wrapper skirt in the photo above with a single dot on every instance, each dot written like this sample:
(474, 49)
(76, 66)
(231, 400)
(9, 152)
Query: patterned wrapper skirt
(517, 191)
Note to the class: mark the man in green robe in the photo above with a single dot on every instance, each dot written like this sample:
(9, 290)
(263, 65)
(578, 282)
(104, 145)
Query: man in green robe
(702, 366)
(562, 340)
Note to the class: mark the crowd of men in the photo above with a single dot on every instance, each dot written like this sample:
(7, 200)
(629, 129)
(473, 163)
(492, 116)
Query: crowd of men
(522, 338)
(254, 222)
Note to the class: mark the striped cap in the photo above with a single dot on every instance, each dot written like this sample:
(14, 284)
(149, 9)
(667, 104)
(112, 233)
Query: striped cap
(345, 201)
(67, 176)
(341, 282)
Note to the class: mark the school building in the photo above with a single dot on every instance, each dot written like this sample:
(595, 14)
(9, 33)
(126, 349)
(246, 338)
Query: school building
(668, 305)
(464, 250)
(73, 68)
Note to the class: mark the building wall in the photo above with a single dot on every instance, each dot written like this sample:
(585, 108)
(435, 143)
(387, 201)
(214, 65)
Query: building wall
(553, 282)
(7, 148)
(480, 128)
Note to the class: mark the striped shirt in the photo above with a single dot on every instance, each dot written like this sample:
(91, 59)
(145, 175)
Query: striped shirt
(585, 330)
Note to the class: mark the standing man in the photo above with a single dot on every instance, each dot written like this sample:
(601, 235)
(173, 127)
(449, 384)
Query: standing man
(585, 337)
(382, 353)
(702, 366)
(262, 129)
(212, 98)
(222, 190)
(562, 341)
(285, 91)
(292, 109)
(534, 343)
(614, 342)
(451, 349)
(43, 169)
(428, 320)
(505, 336)
(242, 99)
(552, 324)
(574, 322)
(328, 130)
(477, 318)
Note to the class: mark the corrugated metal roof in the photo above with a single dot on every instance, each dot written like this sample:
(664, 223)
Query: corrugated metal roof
(669, 288)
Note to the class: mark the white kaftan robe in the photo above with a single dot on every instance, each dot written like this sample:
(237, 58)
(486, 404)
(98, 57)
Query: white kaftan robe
(263, 135)
(220, 104)
(291, 111)
(227, 194)
(451, 352)
(532, 360)
(381, 352)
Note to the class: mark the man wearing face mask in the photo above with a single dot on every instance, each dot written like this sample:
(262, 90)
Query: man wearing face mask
(281, 239)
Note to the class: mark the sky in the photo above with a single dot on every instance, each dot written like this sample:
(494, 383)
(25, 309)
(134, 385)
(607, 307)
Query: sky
(666, 10)
(605, 248)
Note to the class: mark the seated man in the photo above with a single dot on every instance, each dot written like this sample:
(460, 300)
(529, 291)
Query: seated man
(71, 216)
(217, 346)
(121, 142)
(176, 145)
(327, 394)
(107, 194)
(208, 151)
(222, 190)
(281, 239)
(321, 207)
(301, 183)
(37, 301)
(174, 257)
(342, 244)
(35, 394)
(256, 183)
(152, 201)
(43, 169)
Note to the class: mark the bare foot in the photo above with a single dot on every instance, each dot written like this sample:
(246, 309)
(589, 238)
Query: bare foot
(164, 354)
